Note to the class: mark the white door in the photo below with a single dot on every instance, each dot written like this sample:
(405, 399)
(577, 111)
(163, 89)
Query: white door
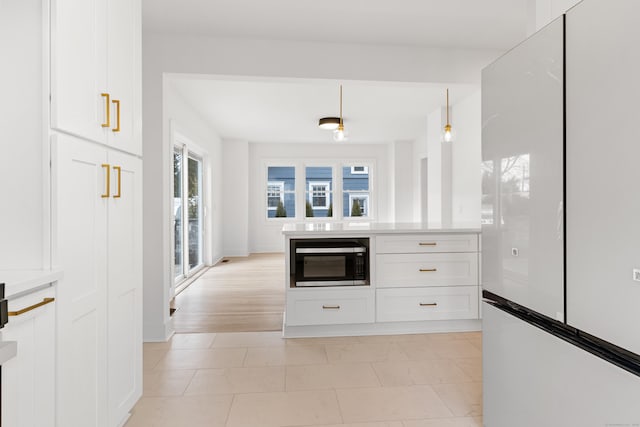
(125, 285)
(79, 68)
(124, 67)
(82, 193)
(522, 149)
(603, 208)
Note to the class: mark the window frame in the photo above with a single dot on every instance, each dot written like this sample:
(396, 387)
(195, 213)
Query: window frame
(353, 196)
(362, 172)
(327, 192)
(280, 185)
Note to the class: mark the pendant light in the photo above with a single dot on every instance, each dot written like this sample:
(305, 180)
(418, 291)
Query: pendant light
(448, 133)
(339, 134)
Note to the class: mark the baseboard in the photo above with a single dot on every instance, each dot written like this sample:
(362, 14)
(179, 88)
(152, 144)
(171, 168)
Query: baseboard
(382, 328)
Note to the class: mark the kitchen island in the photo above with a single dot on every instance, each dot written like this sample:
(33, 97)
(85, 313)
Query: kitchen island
(420, 279)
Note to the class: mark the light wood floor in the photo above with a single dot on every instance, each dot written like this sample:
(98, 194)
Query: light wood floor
(245, 294)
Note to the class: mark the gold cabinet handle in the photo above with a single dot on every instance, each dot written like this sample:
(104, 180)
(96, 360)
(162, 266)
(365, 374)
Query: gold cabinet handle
(428, 304)
(428, 244)
(108, 169)
(426, 270)
(119, 170)
(108, 108)
(45, 301)
(331, 307)
(117, 128)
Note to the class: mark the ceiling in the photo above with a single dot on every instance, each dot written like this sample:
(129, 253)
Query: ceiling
(287, 110)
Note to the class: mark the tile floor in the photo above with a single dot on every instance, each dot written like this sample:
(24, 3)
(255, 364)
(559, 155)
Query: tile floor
(254, 379)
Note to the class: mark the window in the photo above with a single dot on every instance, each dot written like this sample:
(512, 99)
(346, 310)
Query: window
(275, 194)
(281, 192)
(319, 183)
(362, 202)
(319, 195)
(359, 170)
(188, 210)
(355, 191)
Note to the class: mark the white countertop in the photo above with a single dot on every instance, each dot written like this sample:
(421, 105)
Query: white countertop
(19, 281)
(372, 228)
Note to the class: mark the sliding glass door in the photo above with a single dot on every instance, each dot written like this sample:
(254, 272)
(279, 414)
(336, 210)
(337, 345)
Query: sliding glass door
(188, 225)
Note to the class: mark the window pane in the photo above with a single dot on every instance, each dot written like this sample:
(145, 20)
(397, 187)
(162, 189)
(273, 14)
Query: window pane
(177, 212)
(195, 212)
(355, 191)
(281, 186)
(319, 185)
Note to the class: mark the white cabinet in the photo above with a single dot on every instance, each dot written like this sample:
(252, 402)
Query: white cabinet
(437, 303)
(330, 306)
(98, 214)
(427, 269)
(95, 71)
(426, 277)
(28, 380)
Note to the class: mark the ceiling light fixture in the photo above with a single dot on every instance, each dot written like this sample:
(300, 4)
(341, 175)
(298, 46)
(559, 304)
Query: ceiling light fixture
(339, 134)
(448, 132)
(329, 123)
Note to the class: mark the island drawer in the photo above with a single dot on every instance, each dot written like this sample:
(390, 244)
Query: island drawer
(426, 243)
(438, 303)
(330, 306)
(446, 269)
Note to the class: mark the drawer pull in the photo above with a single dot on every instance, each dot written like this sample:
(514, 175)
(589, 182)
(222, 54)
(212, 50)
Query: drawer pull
(430, 304)
(428, 244)
(45, 301)
(331, 307)
(428, 270)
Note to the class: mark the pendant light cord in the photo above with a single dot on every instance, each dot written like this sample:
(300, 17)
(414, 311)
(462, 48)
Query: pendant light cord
(447, 106)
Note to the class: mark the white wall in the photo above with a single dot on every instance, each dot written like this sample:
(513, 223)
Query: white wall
(236, 208)
(24, 188)
(466, 159)
(165, 53)
(403, 181)
(434, 175)
(266, 236)
(542, 12)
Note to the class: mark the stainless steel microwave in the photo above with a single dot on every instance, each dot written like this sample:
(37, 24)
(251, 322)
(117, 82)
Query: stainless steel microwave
(329, 262)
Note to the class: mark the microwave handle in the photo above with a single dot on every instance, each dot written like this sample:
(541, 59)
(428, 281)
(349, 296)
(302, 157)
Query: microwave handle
(330, 250)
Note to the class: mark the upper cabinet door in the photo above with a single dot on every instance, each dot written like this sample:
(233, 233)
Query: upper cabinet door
(124, 46)
(522, 153)
(79, 68)
(603, 148)
(95, 71)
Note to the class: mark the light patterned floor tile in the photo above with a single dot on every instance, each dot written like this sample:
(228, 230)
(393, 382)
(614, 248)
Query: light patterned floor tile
(450, 422)
(464, 399)
(249, 339)
(419, 372)
(287, 355)
(319, 377)
(284, 409)
(365, 352)
(151, 357)
(166, 383)
(237, 380)
(471, 367)
(192, 341)
(202, 359)
(390, 404)
(193, 411)
(374, 424)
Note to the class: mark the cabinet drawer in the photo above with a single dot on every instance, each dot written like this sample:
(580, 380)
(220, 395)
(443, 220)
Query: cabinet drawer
(441, 303)
(402, 270)
(420, 243)
(319, 307)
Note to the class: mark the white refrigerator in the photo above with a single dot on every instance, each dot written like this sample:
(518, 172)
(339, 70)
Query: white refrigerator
(561, 223)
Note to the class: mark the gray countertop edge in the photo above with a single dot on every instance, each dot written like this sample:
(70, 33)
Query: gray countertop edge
(334, 228)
